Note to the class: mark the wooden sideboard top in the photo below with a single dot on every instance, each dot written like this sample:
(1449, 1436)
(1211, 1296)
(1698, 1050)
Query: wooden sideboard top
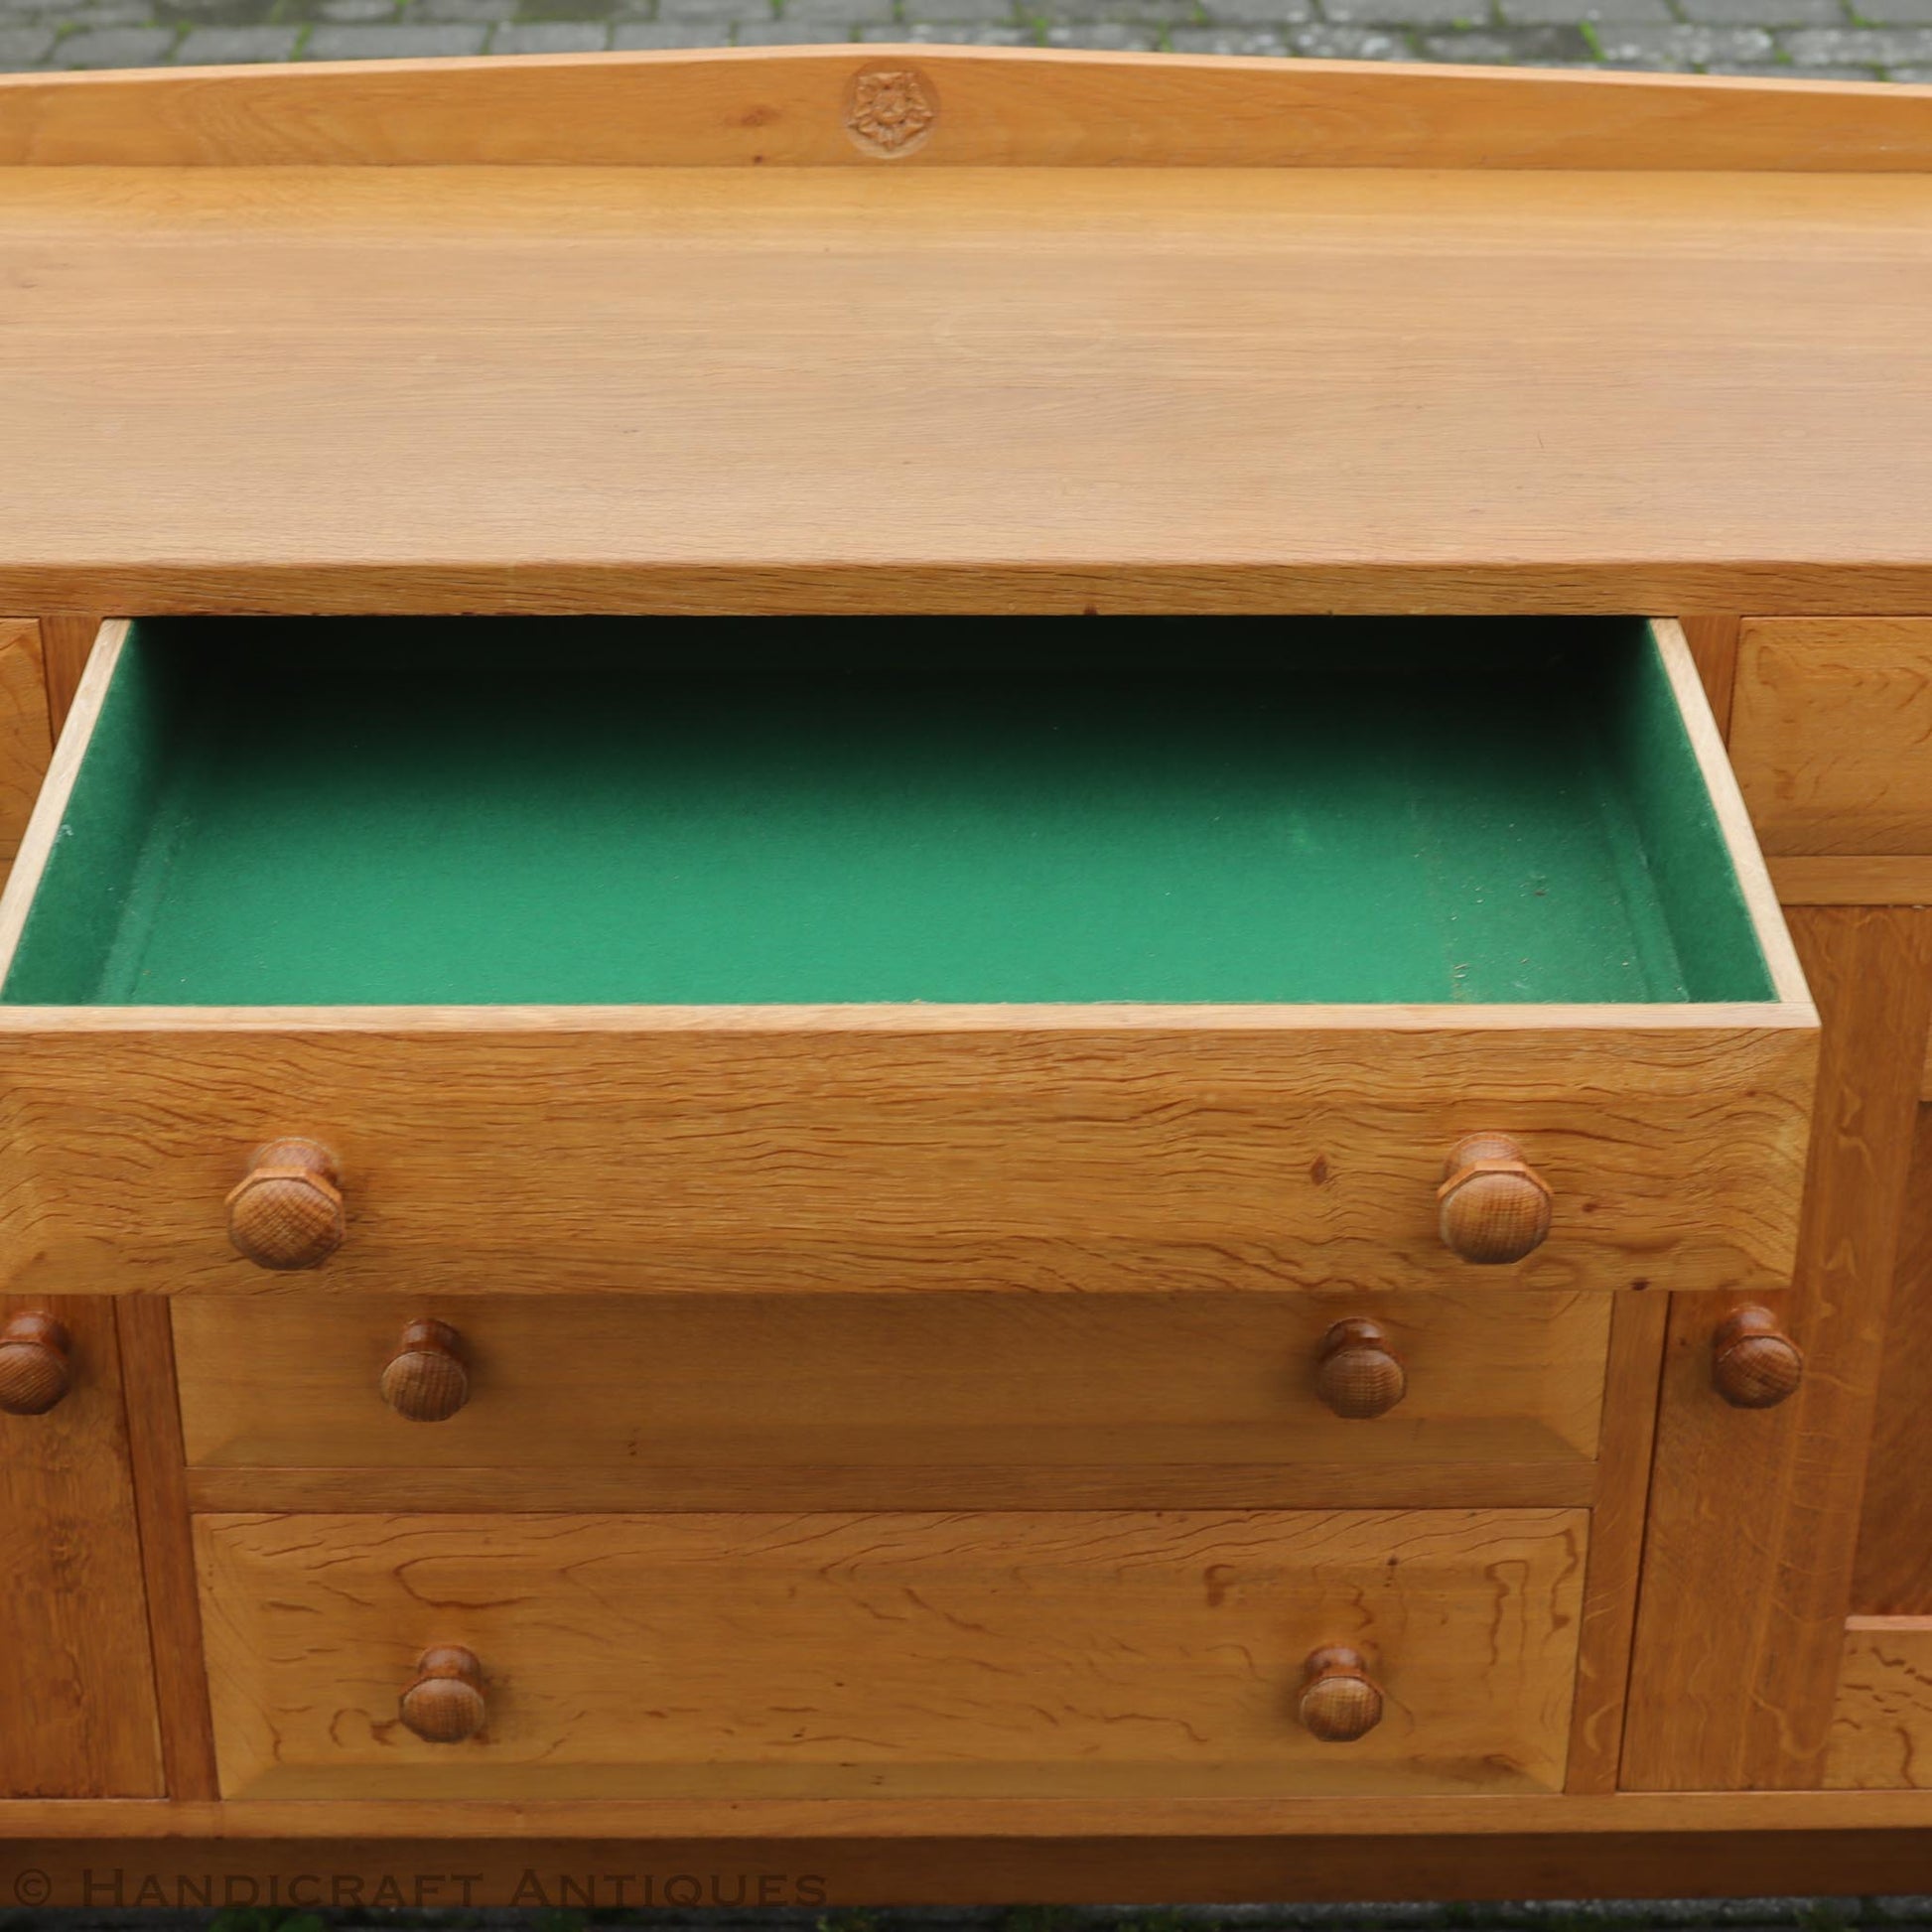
(1180, 335)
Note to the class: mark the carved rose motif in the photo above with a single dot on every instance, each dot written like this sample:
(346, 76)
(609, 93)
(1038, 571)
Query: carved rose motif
(891, 112)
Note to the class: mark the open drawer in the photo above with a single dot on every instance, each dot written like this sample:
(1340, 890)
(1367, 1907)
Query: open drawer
(580, 954)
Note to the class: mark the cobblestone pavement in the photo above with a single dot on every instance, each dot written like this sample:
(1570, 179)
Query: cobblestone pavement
(1849, 38)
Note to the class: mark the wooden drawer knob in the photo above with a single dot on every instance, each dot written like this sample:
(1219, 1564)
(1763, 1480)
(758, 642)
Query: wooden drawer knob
(1754, 1362)
(1339, 1702)
(1359, 1375)
(1492, 1205)
(287, 1210)
(425, 1380)
(34, 1369)
(445, 1705)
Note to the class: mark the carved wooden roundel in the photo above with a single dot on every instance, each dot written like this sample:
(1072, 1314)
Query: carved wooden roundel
(891, 111)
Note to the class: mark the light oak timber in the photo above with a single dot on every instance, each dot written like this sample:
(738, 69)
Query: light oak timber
(1639, 1323)
(1371, 1817)
(1833, 733)
(78, 1716)
(1055, 1653)
(43, 825)
(1883, 879)
(1754, 1514)
(26, 742)
(658, 1390)
(908, 1147)
(1713, 642)
(1026, 1149)
(626, 1855)
(819, 1485)
(1881, 1725)
(1894, 1574)
(998, 390)
(994, 107)
(166, 1550)
(66, 639)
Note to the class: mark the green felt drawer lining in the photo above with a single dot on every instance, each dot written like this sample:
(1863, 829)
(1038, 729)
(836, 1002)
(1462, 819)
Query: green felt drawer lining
(604, 811)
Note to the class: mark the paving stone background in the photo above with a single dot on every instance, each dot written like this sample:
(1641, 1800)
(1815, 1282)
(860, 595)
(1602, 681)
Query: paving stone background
(1867, 40)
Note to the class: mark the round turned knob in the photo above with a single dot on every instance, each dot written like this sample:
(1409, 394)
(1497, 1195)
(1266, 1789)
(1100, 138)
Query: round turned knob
(1359, 1375)
(1492, 1205)
(35, 1371)
(425, 1380)
(445, 1705)
(1754, 1362)
(1339, 1702)
(287, 1210)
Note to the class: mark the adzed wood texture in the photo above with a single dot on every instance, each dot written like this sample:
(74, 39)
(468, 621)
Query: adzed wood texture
(1754, 1513)
(905, 1149)
(995, 388)
(1832, 732)
(1060, 1653)
(77, 1712)
(930, 1398)
(1881, 1725)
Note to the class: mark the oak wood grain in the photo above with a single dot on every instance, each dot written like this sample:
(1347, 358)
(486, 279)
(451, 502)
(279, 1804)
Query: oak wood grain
(991, 106)
(997, 388)
(796, 1150)
(1713, 641)
(26, 742)
(167, 1553)
(1508, 1816)
(223, 1491)
(1020, 1653)
(77, 1693)
(1639, 1325)
(67, 640)
(1881, 1723)
(1881, 880)
(670, 1396)
(1833, 720)
(50, 805)
(1748, 1553)
(1524, 1848)
(1894, 1572)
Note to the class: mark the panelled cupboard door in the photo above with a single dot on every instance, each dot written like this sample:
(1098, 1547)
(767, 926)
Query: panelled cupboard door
(1323, 966)
(1828, 727)
(1048, 1654)
(77, 1714)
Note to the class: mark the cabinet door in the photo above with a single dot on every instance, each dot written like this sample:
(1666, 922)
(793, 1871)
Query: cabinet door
(77, 1696)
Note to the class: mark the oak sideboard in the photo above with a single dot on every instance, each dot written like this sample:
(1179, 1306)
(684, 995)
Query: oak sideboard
(944, 974)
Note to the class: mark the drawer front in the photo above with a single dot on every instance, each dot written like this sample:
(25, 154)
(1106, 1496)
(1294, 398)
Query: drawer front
(1066, 1653)
(895, 1397)
(809, 1152)
(822, 1128)
(1832, 732)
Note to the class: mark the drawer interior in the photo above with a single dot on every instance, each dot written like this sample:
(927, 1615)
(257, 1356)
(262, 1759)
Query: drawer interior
(564, 811)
